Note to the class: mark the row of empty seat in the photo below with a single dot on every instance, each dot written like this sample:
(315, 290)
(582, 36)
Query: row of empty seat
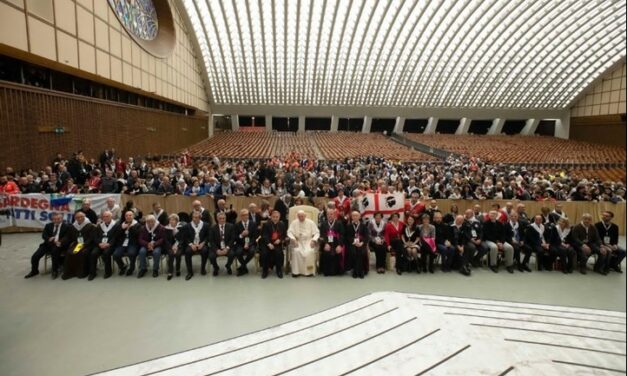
(256, 145)
(342, 145)
(523, 149)
(311, 145)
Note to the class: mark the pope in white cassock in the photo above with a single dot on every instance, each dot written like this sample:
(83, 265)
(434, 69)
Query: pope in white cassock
(303, 234)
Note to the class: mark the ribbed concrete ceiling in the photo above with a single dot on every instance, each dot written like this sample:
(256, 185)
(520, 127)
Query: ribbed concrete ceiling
(489, 54)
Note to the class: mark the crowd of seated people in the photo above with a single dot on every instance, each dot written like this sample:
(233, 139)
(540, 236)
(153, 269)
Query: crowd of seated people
(300, 176)
(338, 242)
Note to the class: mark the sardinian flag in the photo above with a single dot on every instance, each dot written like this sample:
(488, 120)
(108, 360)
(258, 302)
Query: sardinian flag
(385, 204)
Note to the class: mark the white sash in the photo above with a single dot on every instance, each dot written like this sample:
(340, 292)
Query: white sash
(105, 231)
(197, 228)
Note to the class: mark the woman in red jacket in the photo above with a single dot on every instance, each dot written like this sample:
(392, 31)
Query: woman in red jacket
(393, 231)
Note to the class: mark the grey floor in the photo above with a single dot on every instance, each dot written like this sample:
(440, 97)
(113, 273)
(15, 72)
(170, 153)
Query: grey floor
(78, 327)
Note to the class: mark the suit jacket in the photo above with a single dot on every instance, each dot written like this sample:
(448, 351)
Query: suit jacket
(579, 235)
(458, 236)
(214, 236)
(442, 233)
(471, 228)
(554, 237)
(162, 218)
(533, 239)
(203, 235)
(257, 220)
(132, 232)
(112, 235)
(269, 228)
(145, 238)
(65, 232)
(180, 237)
(612, 233)
(493, 231)
(253, 233)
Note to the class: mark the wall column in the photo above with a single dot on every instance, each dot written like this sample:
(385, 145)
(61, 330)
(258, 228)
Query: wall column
(235, 123)
(497, 126)
(301, 123)
(464, 125)
(562, 126)
(530, 127)
(268, 123)
(432, 124)
(400, 124)
(210, 126)
(334, 123)
(367, 123)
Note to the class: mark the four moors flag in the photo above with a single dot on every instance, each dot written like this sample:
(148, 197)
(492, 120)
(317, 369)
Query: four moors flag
(385, 204)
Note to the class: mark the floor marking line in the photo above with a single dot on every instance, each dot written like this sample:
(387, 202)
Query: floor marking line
(549, 332)
(236, 337)
(356, 344)
(267, 340)
(589, 366)
(443, 360)
(565, 346)
(304, 344)
(533, 321)
(524, 313)
(513, 306)
(510, 369)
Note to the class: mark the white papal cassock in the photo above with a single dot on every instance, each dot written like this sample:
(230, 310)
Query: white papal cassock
(303, 257)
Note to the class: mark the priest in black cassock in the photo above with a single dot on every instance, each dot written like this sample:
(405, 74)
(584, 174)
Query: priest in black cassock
(273, 237)
(83, 239)
(332, 245)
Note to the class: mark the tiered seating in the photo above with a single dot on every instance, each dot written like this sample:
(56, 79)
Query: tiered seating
(258, 145)
(524, 149)
(341, 145)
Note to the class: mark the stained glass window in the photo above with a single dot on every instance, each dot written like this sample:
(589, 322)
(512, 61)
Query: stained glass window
(139, 17)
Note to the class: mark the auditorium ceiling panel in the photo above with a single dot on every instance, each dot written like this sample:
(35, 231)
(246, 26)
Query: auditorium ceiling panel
(492, 54)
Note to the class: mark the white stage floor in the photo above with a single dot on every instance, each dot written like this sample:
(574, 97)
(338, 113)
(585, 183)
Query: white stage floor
(388, 333)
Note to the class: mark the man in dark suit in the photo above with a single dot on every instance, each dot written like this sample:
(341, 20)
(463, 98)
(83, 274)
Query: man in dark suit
(245, 241)
(273, 237)
(160, 214)
(127, 242)
(473, 233)
(221, 240)
(459, 239)
(56, 239)
(608, 234)
(537, 237)
(107, 234)
(231, 215)
(586, 241)
(205, 216)
(197, 242)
